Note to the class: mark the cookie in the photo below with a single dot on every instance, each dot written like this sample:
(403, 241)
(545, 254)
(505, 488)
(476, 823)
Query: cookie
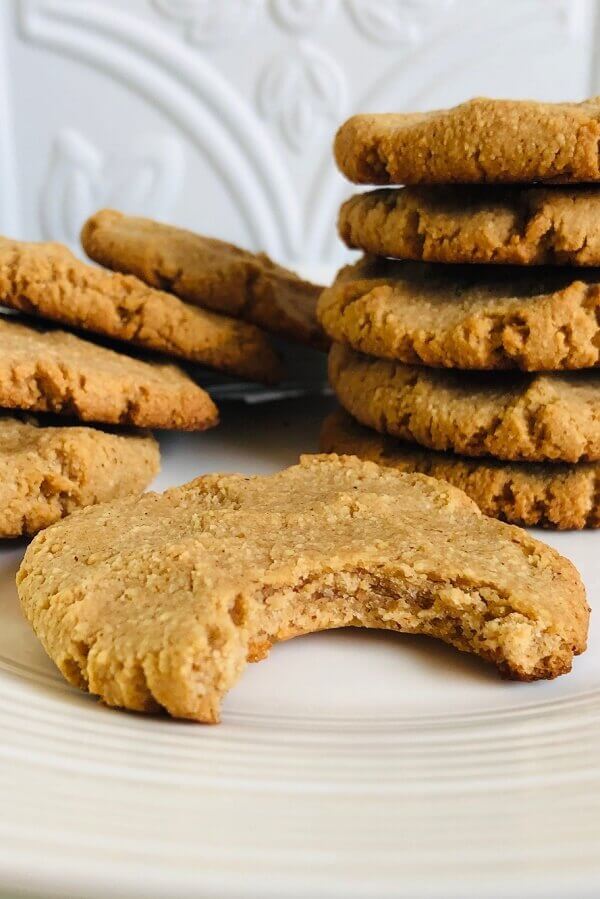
(52, 371)
(480, 141)
(537, 418)
(207, 272)
(500, 225)
(159, 601)
(46, 472)
(47, 280)
(470, 317)
(552, 495)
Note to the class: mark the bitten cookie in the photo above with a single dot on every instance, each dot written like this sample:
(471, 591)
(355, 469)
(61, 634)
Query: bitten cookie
(46, 472)
(47, 280)
(539, 418)
(466, 316)
(52, 371)
(207, 272)
(159, 602)
(506, 225)
(533, 494)
(482, 140)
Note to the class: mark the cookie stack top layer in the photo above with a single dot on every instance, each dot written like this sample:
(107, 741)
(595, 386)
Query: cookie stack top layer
(481, 141)
(429, 307)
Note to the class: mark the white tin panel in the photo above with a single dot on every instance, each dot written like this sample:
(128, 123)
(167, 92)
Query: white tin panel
(219, 114)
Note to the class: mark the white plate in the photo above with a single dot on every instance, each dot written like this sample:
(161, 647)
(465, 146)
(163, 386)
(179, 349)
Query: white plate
(348, 764)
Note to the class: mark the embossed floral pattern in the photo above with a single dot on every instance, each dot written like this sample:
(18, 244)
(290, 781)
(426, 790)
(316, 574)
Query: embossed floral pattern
(211, 21)
(235, 86)
(395, 21)
(81, 179)
(300, 16)
(303, 93)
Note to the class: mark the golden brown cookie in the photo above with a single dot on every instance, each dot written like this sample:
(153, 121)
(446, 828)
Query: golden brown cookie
(52, 371)
(47, 472)
(552, 495)
(159, 602)
(482, 140)
(207, 272)
(537, 418)
(47, 280)
(499, 225)
(466, 316)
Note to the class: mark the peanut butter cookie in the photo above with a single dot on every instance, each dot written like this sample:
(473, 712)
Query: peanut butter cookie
(207, 272)
(552, 495)
(538, 418)
(159, 601)
(46, 472)
(500, 225)
(466, 316)
(46, 279)
(482, 140)
(52, 371)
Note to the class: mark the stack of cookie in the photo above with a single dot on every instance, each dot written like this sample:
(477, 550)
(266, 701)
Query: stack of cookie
(471, 327)
(48, 468)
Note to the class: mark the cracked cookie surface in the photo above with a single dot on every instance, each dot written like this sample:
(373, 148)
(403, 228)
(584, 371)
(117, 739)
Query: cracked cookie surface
(159, 601)
(53, 371)
(531, 417)
(49, 471)
(531, 494)
(46, 279)
(465, 316)
(499, 225)
(482, 140)
(207, 272)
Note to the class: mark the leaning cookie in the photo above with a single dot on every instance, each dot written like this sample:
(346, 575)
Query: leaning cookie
(538, 418)
(483, 140)
(47, 472)
(207, 272)
(466, 316)
(47, 280)
(500, 225)
(526, 493)
(158, 602)
(52, 371)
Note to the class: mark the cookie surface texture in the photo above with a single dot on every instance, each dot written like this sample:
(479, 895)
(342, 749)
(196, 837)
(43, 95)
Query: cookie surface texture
(207, 272)
(46, 279)
(47, 472)
(500, 225)
(466, 316)
(480, 141)
(534, 417)
(53, 371)
(159, 602)
(529, 494)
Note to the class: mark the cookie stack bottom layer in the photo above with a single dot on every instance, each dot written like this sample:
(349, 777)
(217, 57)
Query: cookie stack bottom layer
(525, 429)
(532, 494)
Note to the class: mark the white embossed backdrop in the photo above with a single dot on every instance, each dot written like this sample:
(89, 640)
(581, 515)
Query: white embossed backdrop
(219, 114)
